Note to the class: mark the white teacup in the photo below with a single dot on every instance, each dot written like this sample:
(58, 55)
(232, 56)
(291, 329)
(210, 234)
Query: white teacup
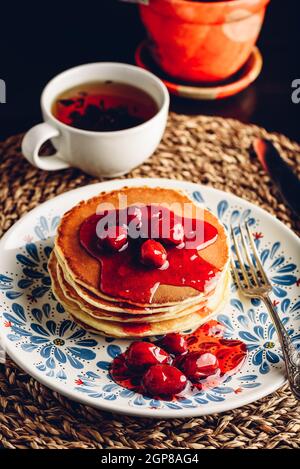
(106, 154)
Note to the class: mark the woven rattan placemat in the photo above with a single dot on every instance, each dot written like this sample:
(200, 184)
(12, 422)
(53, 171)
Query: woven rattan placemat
(213, 151)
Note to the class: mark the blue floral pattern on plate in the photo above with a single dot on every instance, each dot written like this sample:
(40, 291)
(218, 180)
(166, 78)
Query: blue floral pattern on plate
(60, 353)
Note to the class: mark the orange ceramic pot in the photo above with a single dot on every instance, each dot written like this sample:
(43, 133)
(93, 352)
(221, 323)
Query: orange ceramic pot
(198, 41)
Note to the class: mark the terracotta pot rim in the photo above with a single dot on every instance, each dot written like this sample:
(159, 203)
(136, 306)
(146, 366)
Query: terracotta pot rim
(183, 9)
(217, 3)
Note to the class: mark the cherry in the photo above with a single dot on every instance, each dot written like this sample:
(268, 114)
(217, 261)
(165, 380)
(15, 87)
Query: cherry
(134, 215)
(163, 225)
(153, 254)
(115, 237)
(171, 230)
(198, 365)
(168, 227)
(163, 380)
(174, 343)
(141, 355)
(176, 235)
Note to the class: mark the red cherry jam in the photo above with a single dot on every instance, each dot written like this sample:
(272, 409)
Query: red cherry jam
(144, 369)
(153, 254)
(115, 239)
(174, 343)
(142, 355)
(179, 237)
(176, 234)
(198, 365)
(163, 380)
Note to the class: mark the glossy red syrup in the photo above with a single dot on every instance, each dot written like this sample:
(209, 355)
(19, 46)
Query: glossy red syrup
(229, 354)
(124, 276)
(136, 328)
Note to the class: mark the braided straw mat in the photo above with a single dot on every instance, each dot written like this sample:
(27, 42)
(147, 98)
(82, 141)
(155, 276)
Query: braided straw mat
(213, 151)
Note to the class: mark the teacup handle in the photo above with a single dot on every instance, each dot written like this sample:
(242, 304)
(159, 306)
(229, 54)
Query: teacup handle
(32, 143)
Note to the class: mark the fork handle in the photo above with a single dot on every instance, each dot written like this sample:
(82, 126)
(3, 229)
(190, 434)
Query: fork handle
(289, 351)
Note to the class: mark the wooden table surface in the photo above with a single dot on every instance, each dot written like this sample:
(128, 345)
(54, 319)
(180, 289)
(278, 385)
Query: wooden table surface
(39, 42)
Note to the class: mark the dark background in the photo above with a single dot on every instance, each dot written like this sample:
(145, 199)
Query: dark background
(40, 39)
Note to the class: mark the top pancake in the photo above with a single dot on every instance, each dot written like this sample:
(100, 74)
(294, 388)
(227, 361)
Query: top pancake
(86, 270)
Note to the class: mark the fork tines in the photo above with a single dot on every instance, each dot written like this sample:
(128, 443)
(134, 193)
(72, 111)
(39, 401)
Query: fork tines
(248, 270)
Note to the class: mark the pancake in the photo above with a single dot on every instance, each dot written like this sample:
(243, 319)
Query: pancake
(119, 329)
(85, 270)
(76, 275)
(113, 306)
(70, 294)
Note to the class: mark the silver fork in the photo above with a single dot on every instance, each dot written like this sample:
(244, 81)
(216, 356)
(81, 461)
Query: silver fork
(252, 280)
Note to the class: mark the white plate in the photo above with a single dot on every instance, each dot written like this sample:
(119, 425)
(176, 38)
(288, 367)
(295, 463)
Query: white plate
(38, 335)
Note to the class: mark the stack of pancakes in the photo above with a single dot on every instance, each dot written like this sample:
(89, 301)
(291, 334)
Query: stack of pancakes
(76, 276)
